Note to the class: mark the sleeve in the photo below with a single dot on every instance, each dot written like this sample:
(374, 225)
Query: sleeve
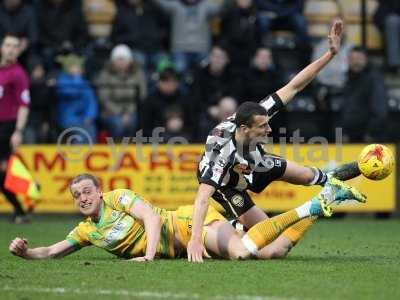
(167, 5)
(273, 104)
(22, 88)
(78, 237)
(213, 166)
(92, 107)
(123, 200)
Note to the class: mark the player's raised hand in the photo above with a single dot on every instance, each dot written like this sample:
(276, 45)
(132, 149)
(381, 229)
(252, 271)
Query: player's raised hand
(196, 251)
(335, 36)
(18, 246)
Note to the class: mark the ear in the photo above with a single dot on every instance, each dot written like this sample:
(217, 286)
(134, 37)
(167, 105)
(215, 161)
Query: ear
(243, 127)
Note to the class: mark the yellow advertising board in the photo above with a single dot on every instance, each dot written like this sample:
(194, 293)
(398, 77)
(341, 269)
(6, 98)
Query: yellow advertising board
(166, 175)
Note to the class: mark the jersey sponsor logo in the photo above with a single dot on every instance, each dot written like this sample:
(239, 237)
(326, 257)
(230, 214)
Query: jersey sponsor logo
(267, 162)
(116, 233)
(238, 200)
(25, 96)
(1, 91)
(221, 162)
(123, 200)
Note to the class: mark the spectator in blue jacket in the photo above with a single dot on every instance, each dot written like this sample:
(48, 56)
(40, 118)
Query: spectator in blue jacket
(77, 104)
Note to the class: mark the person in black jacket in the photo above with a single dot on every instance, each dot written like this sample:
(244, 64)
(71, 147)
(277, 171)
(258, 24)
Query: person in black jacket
(240, 32)
(212, 82)
(62, 27)
(263, 77)
(166, 97)
(142, 26)
(365, 107)
(215, 79)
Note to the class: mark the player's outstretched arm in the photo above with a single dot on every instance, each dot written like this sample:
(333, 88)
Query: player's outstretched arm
(152, 225)
(302, 79)
(19, 247)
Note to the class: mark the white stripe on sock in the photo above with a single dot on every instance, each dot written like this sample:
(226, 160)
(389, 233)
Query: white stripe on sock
(249, 244)
(303, 210)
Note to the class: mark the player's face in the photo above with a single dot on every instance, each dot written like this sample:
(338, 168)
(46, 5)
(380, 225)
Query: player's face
(259, 129)
(87, 197)
(10, 49)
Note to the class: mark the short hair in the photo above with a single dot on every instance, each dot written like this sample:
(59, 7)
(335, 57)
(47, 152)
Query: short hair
(246, 112)
(10, 34)
(84, 176)
(168, 74)
(359, 49)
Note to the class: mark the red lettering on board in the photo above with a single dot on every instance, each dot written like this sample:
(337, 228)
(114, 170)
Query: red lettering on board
(160, 159)
(51, 164)
(128, 161)
(96, 156)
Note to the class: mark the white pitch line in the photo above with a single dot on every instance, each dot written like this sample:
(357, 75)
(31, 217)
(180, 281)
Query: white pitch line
(139, 294)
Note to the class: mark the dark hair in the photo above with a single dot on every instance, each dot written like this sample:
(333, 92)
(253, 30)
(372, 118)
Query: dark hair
(246, 112)
(359, 49)
(85, 176)
(168, 74)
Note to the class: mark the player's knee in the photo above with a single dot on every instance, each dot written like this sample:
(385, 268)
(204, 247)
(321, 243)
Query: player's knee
(280, 252)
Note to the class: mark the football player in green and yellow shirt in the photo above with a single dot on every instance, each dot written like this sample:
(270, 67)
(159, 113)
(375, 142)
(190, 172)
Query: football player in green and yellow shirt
(126, 225)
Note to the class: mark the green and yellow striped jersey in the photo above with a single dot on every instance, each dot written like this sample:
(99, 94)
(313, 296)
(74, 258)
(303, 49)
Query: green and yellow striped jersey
(118, 232)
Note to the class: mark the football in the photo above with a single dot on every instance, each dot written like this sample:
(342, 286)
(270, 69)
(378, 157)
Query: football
(376, 162)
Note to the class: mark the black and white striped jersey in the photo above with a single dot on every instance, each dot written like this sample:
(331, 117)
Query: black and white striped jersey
(223, 164)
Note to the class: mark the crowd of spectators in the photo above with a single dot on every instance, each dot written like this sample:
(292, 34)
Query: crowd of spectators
(167, 67)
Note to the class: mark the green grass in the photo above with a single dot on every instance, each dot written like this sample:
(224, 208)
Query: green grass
(338, 259)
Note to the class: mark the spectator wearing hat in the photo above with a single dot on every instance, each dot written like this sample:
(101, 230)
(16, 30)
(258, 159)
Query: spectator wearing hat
(77, 104)
(121, 87)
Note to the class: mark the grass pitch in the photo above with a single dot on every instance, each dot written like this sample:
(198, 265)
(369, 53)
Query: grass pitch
(338, 259)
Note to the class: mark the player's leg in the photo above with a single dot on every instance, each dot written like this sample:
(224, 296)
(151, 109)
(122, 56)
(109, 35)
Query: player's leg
(298, 174)
(239, 205)
(222, 240)
(263, 233)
